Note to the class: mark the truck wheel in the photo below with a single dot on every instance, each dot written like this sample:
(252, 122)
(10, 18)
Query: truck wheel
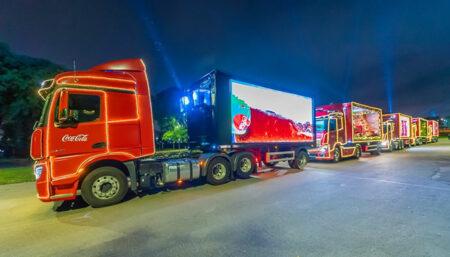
(218, 171)
(104, 186)
(391, 147)
(357, 152)
(245, 164)
(376, 152)
(300, 161)
(337, 154)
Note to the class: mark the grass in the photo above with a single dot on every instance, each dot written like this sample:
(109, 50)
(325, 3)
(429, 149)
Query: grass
(16, 175)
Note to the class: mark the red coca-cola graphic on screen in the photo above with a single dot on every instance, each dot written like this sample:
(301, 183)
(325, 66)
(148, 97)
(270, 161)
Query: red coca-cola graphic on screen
(264, 115)
(241, 124)
(74, 138)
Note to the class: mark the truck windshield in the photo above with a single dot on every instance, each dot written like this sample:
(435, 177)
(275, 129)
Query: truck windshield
(321, 125)
(43, 119)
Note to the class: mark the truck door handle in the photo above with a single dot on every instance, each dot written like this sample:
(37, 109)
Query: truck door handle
(99, 145)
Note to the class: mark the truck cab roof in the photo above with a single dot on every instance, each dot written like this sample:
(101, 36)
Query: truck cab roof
(115, 75)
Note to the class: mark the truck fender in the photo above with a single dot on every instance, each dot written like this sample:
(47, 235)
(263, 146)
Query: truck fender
(301, 149)
(205, 158)
(86, 166)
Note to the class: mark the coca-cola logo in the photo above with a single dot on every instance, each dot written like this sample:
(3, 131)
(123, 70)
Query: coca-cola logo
(75, 138)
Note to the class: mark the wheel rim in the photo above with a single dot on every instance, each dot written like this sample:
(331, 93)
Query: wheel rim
(219, 171)
(246, 165)
(336, 155)
(358, 152)
(302, 161)
(105, 187)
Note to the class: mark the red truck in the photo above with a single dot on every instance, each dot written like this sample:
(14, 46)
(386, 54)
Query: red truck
(433, 131)
(421, 129)
(346, 130)
(397, 131)
(95, 136)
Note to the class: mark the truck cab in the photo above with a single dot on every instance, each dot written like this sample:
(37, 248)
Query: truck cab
(388, 143)
(90, 120)
(331, 142)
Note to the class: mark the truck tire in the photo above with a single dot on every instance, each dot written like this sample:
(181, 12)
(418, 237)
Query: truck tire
(300, 161)
(218, 171)
(391, 147)
(357, 152)
(104, 186)
(245, 164)
(337, 154)
(376, 152)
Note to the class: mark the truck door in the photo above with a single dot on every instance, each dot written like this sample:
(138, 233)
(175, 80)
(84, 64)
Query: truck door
(332, 132)
(340, 130)
(86, 135)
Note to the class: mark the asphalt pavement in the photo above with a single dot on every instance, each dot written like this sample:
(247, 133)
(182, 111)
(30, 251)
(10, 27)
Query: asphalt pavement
(396, 204)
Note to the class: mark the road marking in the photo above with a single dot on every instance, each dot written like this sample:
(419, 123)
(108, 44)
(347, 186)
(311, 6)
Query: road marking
(397, 183)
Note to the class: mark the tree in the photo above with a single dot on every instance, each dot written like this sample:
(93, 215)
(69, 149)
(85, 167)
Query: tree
(174, 132)
(20, 77)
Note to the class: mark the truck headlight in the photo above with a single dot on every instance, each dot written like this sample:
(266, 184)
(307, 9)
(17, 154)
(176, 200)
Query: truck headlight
(38, 171)
(323, 149)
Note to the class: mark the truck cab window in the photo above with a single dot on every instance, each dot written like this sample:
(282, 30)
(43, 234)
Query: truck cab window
(84, 108)
(333, 124)
(201, 97)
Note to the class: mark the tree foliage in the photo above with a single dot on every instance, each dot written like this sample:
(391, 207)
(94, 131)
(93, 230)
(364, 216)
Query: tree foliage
(20, 77)
(174, 131)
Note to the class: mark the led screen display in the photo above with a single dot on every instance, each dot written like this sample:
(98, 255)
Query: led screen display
(366, 123)
(261, 114)
(405, 126)
(435, 128)
(423, 128)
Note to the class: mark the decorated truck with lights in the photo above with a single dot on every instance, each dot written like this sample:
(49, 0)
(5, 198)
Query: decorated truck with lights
(346, 130)
(240, 119)
(95, 137)
(421, 129)
(433, 131)
(397, 131)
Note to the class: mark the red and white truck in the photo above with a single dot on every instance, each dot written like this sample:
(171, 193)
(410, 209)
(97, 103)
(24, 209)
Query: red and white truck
(397, 131)
(421, 130)
(346, 130)
(433, 131)
(95, 136)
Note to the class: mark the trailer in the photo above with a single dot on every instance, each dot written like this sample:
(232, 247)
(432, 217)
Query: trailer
(421, 129)
(397, 131)
(95, 137)
(346, 130)
(433, 131)
(271, 125)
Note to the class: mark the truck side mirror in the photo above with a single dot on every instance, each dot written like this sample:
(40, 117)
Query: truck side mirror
(63, 110)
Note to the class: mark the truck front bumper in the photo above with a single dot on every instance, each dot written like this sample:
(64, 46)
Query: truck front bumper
(47, 190)
(319, 154)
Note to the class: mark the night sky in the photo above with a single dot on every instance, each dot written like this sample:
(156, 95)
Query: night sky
(391, 54)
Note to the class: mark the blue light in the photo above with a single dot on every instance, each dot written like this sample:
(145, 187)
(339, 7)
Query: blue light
(185, 100)
(386, 42)
(195, 96)
(143, 12)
